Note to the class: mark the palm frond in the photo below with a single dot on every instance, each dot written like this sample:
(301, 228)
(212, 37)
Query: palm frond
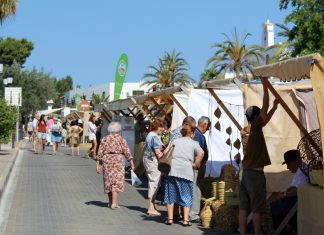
(7, 9)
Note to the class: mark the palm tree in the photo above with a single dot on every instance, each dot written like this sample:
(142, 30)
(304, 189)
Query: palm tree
(7, 9)
(170, 70)
(205, 76)
(235, 56)
(100, 99)
(283, 50)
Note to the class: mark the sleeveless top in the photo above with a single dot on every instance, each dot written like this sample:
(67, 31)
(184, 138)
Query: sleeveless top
(42, 126)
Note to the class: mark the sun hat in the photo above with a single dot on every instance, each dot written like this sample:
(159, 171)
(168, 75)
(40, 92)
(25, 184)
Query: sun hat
(290, 156)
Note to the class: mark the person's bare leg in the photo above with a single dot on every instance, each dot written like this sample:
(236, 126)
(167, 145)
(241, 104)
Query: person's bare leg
(72, 150)
(151, 207)
(243, 221)
(109, 199)
(186, 212)
(114, 198)
(257, 221)
(94, 150)
(78, 148)
(54, 152)
(170, 208)
(43, 149)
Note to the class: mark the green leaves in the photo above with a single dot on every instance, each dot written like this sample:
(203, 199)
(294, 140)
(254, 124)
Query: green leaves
(171, 69)
(100, 99)
(233, 55)
(8, 115)
(12, 50)
(307, 33)
(7, 9)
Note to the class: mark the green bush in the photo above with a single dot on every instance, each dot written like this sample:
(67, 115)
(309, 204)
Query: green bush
(8, 115)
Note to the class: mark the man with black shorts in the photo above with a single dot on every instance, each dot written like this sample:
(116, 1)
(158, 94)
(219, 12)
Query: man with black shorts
(252, 193)
(99, 125)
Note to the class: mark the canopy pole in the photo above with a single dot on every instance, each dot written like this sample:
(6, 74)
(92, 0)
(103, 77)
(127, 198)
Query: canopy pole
(220, 102)
(131, 112)
(178, 104)
(292, 115)
(161, 109)
(141, 109)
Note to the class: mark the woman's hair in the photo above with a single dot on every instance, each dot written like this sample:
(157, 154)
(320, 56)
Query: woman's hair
(74, 123)
(156, 124)
(42, 118)
(114, 127)
(189, 120)
(91, 119)
(187, 130)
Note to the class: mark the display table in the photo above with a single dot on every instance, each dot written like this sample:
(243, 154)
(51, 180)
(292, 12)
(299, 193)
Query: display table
(310, 210)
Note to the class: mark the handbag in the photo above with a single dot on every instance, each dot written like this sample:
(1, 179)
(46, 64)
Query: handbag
(164, 163)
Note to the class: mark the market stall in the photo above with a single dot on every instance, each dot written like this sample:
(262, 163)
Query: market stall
(310, 198)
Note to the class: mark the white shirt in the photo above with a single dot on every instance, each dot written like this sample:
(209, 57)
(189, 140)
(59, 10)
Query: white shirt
(299, 178)
(35, 121)
(92, 131)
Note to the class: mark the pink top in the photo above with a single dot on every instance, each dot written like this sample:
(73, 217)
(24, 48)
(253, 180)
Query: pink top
(49, 123)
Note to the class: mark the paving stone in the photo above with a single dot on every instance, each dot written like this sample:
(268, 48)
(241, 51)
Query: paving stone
(64, 195)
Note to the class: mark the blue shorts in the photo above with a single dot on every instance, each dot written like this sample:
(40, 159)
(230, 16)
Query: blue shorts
(41, 135)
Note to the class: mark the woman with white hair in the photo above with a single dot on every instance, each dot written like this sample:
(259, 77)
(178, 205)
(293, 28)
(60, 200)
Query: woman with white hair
(112, 151)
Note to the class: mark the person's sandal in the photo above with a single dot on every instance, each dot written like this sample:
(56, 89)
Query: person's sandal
(114, 207)
(186, 223)
(167, 221)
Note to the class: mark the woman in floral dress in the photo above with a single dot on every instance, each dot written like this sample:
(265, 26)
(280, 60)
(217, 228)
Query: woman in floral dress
(112, 152)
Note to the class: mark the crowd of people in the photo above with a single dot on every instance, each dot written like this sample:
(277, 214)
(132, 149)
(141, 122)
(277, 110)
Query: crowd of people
(45, 131)
(181, 187)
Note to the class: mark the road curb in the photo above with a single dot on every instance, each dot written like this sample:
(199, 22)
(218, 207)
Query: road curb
(7, 171)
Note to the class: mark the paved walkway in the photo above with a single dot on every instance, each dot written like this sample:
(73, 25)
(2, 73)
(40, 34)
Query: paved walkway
(64, 195)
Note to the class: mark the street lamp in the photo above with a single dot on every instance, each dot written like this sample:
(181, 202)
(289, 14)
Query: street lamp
(7, 80)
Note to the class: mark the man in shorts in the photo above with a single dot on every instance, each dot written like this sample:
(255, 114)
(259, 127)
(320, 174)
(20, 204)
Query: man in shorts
(252, 193)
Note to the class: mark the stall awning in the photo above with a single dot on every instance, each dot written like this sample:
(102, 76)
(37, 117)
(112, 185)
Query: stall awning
(290, 70)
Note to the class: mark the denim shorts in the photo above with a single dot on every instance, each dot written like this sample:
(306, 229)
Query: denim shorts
(41, 135)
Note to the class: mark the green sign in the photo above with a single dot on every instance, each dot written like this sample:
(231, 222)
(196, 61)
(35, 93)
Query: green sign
(77, 99)
(121, 70)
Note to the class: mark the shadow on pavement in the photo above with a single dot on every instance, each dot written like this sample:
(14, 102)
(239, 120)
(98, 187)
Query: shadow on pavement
(97, 203)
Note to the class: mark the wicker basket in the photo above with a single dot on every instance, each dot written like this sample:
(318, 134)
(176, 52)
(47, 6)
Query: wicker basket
(221, 191)
(226, 218)
(209, 187)
(231, 198)
(206, 214)
(316, 177)
(231, 185)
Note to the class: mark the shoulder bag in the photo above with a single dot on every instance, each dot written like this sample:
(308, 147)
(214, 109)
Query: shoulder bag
(164, 163)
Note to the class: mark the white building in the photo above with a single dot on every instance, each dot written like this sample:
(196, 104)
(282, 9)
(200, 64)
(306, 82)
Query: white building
(129, 89)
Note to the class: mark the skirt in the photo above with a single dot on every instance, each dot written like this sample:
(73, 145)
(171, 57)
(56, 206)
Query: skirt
(56, 137)
(178, 191)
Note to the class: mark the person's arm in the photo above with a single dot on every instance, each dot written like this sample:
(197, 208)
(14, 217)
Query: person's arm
(265, 105)
(271, 112)
(198, 158)
(127, 153)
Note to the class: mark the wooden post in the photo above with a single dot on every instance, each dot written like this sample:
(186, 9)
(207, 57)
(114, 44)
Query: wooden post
(178, 104)
(141, 109)
(131, 112)
(161, 109)
(292, 115)
(220, 102)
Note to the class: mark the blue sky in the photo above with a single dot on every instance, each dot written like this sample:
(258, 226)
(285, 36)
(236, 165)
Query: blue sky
(85, 38)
